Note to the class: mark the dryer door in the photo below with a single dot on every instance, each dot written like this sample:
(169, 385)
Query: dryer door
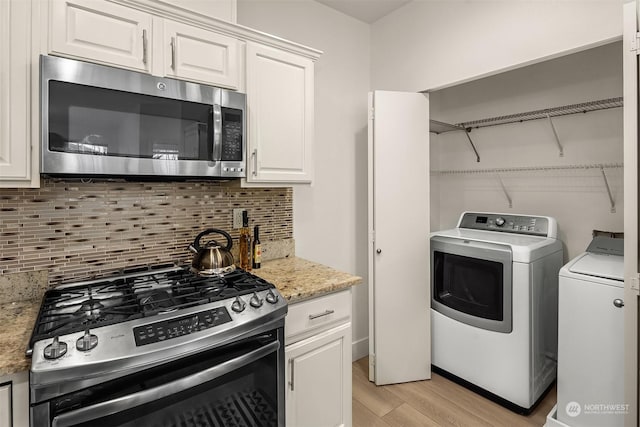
(471, 282)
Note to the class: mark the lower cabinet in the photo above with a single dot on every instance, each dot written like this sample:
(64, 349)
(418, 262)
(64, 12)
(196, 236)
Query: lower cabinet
(318, 371)
(14, 400)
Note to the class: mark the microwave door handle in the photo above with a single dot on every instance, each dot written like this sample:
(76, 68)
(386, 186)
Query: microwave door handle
(216, 148)
(110, 407)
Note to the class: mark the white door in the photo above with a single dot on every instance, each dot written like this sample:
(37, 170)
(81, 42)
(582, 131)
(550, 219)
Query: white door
(399, 291)
(630, 92)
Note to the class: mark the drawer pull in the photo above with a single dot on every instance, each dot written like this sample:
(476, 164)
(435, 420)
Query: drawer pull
(315, 316)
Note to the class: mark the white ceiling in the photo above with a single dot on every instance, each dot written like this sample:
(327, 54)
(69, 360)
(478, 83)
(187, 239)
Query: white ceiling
(365, 10)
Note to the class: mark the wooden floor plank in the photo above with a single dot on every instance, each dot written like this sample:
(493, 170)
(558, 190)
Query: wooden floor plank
(378, 400)
(435, 402)
(423, 397)
(363, 417)
(405, 415)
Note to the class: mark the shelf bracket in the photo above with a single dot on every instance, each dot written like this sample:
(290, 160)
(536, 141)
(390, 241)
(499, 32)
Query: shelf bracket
(606, 185)
(504, 190)
(555, 135)
(466, 132)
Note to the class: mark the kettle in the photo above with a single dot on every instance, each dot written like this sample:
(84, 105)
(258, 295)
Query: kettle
(212, 258)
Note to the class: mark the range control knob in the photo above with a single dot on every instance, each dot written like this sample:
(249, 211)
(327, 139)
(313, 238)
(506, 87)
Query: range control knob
(499, 221)
(238, 305)
(272, 297)
(55, 350)
(255, 301)
(87, 342)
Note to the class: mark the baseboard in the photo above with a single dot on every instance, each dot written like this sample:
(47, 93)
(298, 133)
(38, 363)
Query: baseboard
(360, 349)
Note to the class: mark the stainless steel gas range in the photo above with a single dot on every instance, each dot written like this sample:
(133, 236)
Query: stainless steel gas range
(160, 347)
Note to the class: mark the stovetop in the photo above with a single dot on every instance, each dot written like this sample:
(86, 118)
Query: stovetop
(151, 292)
(90, 332)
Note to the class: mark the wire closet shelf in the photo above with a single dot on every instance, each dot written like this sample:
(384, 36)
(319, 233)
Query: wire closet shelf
(439, 127)
(584, 107)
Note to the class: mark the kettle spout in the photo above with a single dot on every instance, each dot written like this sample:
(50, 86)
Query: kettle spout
(193, 248)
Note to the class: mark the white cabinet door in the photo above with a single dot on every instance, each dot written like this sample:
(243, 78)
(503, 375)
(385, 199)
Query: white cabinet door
(16, 159)
(5, 405)
(280, 104)
(319, 379)
(101, 31)
(20, 398)
(399, 298)
(200, 55)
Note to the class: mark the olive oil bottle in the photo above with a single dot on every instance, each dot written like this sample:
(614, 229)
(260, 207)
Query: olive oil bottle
(245, 243)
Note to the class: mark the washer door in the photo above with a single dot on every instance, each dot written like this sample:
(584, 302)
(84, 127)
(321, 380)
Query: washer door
(471, 282)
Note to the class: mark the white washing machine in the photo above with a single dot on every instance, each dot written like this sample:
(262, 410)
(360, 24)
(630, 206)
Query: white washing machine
(590, 337)
(494, 287)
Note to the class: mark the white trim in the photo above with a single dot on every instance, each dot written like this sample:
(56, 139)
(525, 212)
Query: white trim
(359, 349)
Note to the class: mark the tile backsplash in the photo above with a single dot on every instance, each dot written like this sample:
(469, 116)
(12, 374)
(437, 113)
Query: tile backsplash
(78, 229)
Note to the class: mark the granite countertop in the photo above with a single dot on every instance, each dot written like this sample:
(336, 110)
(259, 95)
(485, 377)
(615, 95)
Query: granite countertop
(18, 318)
(297, 279)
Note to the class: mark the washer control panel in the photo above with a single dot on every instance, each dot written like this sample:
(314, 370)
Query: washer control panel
(519, 224)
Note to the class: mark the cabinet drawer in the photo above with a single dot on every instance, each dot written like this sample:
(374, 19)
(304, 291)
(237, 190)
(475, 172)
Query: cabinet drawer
(317, 314)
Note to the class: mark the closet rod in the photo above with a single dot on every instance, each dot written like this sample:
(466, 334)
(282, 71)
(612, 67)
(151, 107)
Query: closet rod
(528, 169)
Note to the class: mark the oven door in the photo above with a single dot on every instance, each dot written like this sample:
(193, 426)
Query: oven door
(241, 384)
(471, 282)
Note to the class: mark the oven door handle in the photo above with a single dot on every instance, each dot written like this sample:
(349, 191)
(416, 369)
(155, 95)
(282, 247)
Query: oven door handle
(123, 403)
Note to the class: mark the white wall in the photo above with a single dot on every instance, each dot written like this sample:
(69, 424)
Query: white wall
(576, 198)
(431, 44)
(330, 216)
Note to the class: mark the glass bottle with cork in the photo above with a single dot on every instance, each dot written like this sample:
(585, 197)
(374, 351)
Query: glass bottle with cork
(257, 247)
(245, 243)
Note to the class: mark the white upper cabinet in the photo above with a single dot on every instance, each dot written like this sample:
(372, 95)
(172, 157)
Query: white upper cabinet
(280, 104)
(101, 31)
(18, 154)
(113, 34)
(185, 56)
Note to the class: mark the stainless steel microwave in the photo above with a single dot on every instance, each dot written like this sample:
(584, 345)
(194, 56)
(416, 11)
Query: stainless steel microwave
(103, 121)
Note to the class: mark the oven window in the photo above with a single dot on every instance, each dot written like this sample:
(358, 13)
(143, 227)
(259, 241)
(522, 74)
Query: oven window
(245, 396)
(105, 122)
(469, 285)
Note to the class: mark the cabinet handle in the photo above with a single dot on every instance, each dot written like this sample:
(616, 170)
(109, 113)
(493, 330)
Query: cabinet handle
(316, 316)
(144, 47)
(173, 53)
(291, 373)
(255, 162)
(618, 303)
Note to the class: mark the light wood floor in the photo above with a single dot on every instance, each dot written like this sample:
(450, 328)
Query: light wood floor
(436, 402)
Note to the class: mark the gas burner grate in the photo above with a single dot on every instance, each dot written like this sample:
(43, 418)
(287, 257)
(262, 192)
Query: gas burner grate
(72, 308)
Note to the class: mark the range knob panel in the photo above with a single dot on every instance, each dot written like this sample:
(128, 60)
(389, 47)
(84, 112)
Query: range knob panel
(256, 301)
(55, 350)
(87, 342)
(271, 297)
(238, 305)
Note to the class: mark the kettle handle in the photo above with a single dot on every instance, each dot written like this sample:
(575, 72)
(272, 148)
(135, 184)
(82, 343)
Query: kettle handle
(196, 242)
